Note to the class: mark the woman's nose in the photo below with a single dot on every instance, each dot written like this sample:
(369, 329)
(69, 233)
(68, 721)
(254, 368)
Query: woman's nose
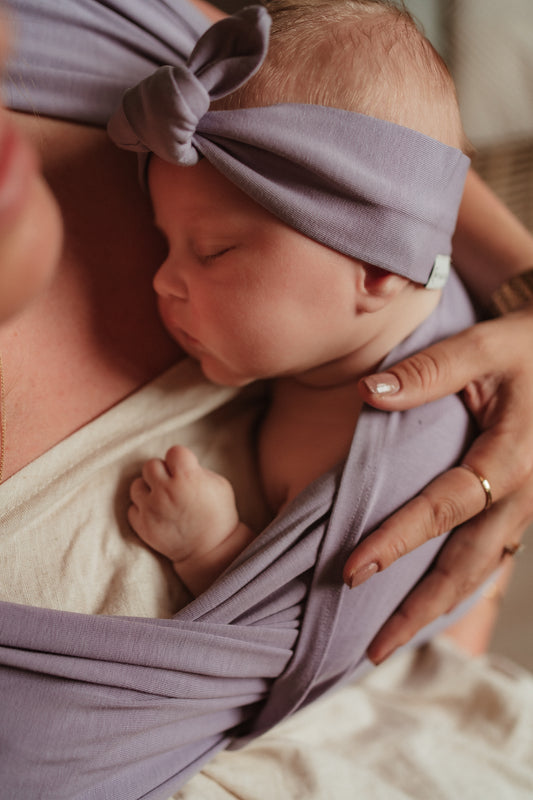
(169, 281)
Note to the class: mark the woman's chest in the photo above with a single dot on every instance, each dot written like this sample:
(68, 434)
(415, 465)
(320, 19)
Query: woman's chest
(93, 336)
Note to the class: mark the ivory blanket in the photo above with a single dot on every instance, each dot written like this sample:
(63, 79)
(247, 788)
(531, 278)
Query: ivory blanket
(431, 724)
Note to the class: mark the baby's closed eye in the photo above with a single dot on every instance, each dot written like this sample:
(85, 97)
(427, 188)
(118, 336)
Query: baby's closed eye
(207, 257)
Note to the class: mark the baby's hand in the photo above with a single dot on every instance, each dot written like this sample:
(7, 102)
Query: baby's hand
(181, 509)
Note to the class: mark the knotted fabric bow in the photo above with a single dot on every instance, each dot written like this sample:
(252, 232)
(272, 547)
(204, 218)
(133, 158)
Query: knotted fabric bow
(368, 188)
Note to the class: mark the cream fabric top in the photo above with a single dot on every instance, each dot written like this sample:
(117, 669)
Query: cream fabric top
(65, 541)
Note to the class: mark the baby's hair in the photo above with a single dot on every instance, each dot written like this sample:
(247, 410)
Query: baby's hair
(360, 55)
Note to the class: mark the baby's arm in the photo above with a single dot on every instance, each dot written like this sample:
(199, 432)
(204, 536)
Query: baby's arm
(188, 514)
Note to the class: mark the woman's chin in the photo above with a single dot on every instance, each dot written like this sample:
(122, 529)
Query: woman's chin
(30, 250)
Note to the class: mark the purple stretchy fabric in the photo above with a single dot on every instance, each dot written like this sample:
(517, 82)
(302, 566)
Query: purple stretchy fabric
(103, 708)
(366, 187)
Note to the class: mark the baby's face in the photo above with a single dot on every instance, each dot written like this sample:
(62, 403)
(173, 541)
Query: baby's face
(242, 292)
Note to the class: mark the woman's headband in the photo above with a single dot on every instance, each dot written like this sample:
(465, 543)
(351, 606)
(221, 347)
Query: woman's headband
(365, 187)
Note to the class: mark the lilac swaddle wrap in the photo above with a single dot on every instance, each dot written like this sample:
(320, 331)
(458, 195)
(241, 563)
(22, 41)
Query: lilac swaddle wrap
(124, 708)
(109, 707)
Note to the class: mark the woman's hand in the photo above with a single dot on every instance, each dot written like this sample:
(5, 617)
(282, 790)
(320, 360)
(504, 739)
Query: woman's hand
(491, 365)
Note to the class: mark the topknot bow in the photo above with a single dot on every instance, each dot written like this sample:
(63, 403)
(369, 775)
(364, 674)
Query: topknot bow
(224, 58)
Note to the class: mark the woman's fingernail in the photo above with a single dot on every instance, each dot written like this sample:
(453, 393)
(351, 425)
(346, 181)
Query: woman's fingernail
(362, 574)
(377, 660)
(386, 383)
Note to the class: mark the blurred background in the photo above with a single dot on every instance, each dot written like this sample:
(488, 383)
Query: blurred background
(488, 46)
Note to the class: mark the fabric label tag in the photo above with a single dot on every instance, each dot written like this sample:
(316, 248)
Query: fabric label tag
(439, 273)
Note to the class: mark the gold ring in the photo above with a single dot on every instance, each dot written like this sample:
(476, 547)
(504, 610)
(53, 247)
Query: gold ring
(512, 549)
(485, 485)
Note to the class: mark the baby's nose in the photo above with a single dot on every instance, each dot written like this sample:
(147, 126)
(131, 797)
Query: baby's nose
(169, 282)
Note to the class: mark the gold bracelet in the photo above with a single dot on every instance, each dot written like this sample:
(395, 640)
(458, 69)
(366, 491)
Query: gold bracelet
(513, 294)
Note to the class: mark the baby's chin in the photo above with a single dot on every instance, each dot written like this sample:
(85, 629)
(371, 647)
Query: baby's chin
(222, 376)
(214, 370)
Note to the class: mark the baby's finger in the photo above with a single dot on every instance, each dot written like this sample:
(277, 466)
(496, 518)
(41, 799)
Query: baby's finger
(134, 517)
(154, 471)
(180, 459)
(139, 491)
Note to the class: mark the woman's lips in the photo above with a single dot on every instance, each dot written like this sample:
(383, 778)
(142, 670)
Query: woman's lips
(18, 166)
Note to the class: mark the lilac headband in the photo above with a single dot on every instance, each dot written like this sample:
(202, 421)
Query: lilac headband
(370, 189)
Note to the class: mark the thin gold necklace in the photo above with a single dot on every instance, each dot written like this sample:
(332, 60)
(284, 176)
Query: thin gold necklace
(2, 422)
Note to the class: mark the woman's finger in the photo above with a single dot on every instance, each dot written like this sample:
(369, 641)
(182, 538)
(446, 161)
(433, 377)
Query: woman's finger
(467, 559)
(442, 369)
(445, 503)
(494, 348)
(502, 454)
(498, 460)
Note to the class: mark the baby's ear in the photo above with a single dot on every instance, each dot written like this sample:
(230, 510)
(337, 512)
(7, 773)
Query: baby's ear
(376, 287)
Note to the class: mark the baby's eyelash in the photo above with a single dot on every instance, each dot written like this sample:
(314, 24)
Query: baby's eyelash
(213, 256)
